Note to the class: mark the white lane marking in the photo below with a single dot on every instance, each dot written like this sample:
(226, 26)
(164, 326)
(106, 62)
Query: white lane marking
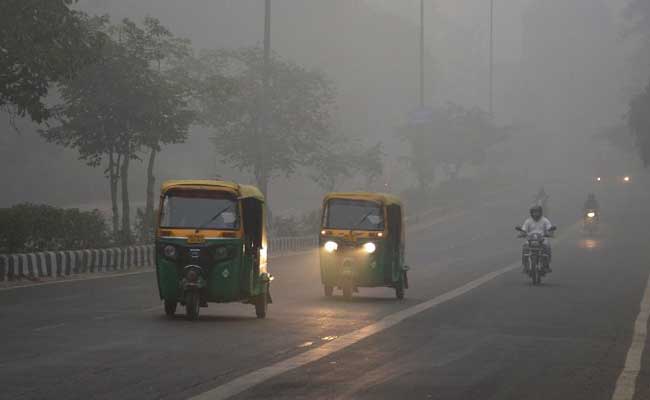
(254, 378)
(48, 327)
(73, 280)
(626, 382)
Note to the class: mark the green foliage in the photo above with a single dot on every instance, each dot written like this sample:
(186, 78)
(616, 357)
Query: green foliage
(638, 120)
(31, 228)
(345, 158)
(41, 42)
(457, 136)
(134, 98)
(299, 123)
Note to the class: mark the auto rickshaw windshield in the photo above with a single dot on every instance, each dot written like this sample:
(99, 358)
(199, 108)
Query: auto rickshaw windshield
(184, 209)
(353, 214)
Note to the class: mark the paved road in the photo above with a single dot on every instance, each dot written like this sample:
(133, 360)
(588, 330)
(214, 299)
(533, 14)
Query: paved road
(108, 338)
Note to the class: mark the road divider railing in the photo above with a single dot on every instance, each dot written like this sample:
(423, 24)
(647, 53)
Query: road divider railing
(59, 264)
(287, 245)
(52, 264)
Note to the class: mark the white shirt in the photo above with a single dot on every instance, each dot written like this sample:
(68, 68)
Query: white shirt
(531, 226)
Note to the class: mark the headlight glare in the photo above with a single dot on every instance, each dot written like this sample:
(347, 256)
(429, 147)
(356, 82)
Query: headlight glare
(331, 246)
(591, 214)
(369, 247)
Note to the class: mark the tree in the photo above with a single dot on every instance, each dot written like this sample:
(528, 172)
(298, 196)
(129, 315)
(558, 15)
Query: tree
(41, 42)
(345, 158)
(121, 104)
(638, 120)
(299, 125)
(100, 116)
(170, 87)
(457, 136)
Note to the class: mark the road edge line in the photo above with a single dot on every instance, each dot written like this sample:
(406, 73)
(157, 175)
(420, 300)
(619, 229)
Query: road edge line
(625, 388)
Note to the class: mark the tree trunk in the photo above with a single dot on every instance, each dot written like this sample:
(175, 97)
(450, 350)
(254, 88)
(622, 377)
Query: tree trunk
(147, 225)
(113, 177)
(126, 206)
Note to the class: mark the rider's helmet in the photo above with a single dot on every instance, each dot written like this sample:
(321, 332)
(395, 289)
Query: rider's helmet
(536, 212)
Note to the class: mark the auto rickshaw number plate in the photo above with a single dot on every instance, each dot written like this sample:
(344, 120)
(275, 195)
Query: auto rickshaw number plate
(195, 239)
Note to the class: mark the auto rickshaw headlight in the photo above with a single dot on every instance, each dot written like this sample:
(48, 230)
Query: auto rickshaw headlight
(369, 247)
(169, 251)
(591, 214)
(331, 246)
(221, 252)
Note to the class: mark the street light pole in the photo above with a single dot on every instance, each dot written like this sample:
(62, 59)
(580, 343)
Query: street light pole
(264, 109)
(421, 53)
(491, 94)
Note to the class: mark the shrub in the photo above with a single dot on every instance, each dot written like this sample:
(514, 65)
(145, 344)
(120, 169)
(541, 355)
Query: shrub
(32, 227)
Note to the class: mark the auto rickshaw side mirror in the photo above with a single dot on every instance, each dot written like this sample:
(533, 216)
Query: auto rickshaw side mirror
(552, 229)
(518, 229)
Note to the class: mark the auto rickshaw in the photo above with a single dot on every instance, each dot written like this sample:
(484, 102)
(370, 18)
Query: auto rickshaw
(362, 243)
(211, 246)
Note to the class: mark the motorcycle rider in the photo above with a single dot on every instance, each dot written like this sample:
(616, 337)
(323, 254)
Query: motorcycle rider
(538, 223)
(592, 204)
(541, 199)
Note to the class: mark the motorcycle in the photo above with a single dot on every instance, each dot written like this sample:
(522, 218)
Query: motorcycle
(591, 221)
(534, 258)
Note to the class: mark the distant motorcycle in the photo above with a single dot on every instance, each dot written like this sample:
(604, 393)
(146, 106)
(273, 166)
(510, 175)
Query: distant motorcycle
(591, 221)
(534, 256)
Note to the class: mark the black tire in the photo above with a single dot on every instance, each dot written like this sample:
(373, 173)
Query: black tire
(192, 306)
(535, 273)
(399, 288)
(347, 290)
(262, 304)
(329, 290)
(170, 308)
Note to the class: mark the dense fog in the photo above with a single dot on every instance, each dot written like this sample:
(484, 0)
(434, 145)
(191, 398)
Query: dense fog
(564, 73)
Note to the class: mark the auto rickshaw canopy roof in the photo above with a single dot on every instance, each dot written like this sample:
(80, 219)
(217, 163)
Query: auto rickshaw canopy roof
(241, 191)
(384, 198)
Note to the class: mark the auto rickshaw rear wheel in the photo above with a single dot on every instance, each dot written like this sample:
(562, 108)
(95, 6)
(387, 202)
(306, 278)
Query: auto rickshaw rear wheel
(192, 306)
(262, 303)
(170, 307)
(399, 287)
(329, 290)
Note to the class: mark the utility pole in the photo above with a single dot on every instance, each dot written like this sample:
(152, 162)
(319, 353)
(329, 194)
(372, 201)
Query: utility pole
(491, 93)
(421, 53)
(264, 112)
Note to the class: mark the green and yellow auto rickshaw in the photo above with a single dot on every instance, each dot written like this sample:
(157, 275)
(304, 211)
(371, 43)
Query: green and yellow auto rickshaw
(362, 243)
(211, 246)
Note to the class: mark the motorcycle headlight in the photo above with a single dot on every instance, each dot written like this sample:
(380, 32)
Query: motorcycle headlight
(369, 247)
(170, 251)
(591, 214)
(331, 246)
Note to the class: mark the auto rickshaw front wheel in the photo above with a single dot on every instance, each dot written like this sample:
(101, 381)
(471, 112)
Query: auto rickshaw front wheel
(192, 305)
(347, 289)
(170, 307)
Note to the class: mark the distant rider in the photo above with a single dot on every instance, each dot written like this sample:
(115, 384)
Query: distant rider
(541, 199)
(592, 204)
(538, 223)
